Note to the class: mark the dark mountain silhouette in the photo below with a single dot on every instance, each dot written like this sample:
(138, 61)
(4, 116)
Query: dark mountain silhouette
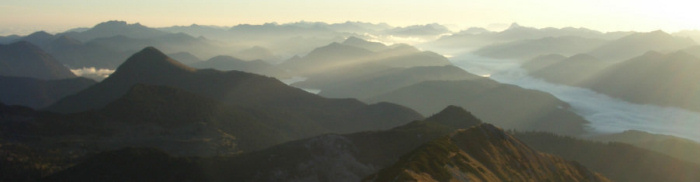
(317, 157)
(653, 78)
(528, 49)
(677, 147)
(506, 105)
(23, 163)
(482, 153)
(572, 70)
(342, 57)
(188, 124)
(23, 59)
(132, 164)
(335, 157)
(36, 93)
(638, 43)
(226, 63)
(185, 57)
(367, 85)
(150, 66)
(617, 161)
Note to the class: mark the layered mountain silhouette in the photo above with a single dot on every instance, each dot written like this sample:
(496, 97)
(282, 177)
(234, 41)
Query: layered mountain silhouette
(477, 39)
(258, 111)
(185, 57)
(653, 78)
(355, 52)
(226, 63)
(505, 105)
(528, 49)
(77, 54)
(37, 93)
(370, 84)
(638, 43)
(23, 59)
(616, 161)
(673, 146)
(114, 28)
(482, 153)
(573, 70)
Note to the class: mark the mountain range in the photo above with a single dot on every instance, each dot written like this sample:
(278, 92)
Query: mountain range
(226, 63)
(152, 93)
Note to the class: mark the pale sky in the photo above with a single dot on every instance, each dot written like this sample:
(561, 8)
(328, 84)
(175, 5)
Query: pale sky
(26, 16)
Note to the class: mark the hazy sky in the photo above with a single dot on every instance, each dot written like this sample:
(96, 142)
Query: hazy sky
(23, 16)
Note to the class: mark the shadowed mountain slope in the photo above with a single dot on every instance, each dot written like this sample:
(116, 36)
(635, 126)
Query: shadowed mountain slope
(36, 93)
(23, 59)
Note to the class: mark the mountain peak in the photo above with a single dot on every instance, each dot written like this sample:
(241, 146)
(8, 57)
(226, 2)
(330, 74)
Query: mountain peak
(353, 39)
(514, 25)
(150, 61)
(454, 116)
(112, 23)
(41, 34)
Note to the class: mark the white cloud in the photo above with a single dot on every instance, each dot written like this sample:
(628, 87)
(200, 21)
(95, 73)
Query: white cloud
(93, 73)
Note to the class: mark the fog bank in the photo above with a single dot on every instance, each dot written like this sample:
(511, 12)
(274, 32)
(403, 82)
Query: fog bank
(606, 114)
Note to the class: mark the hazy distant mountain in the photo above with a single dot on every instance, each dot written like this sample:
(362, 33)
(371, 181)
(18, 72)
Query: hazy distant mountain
(40, 38)
(693, 34)
(471, 39)
(482, 153)
(236, 88)
(528, 49)
(638, 43)
(23, 59)
(427, 30)
(257, 53)
(693, 50)
(211, 32)
(372, 84)
(680, 148)
(115, 28)
(653, 78)
(361, 43)
(226, 63)
(354, 51)
(327, 58)
(36, 93)
(76, 54)
(505, 105)
(359, 27)
(9, 39)
(119, 36)
(616, 161)
(574, 70)
(185, 57)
